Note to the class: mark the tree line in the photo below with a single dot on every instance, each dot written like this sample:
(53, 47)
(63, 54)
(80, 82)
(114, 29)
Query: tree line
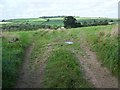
(71, 22)
(27, 27)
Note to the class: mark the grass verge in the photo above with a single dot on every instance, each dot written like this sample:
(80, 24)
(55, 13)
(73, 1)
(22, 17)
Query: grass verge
(12, 56)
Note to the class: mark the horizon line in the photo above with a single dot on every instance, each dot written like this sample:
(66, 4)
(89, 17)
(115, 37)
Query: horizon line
(61, 16)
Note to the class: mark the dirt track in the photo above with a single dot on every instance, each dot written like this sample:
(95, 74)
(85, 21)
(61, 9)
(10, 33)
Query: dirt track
(96, 74)
(32, 77)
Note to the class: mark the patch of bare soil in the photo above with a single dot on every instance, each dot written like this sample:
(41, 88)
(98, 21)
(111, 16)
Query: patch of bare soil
(96, 74)
(32, 76)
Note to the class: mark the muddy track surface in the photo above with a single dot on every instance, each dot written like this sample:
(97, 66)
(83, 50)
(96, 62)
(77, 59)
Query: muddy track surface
(32, 76)
(96, 74)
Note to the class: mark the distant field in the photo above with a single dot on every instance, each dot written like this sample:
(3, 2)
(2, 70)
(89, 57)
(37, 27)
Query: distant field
(28, 24)
(5, 23)
(52, 21)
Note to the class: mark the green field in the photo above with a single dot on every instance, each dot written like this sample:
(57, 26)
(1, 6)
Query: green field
(52, 19)
(61, 63)
(60, 20)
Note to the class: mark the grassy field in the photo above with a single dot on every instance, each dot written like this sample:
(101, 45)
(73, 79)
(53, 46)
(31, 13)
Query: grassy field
(62, 63)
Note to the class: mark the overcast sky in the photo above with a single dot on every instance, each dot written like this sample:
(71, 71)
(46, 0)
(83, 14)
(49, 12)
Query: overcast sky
(36, 8)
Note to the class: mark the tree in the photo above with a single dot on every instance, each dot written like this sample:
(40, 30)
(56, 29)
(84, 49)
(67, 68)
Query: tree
(47, 20)
(70, 22)
(111, 21)
(3, 20)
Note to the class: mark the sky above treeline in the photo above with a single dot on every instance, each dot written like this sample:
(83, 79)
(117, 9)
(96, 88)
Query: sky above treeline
(10, 9)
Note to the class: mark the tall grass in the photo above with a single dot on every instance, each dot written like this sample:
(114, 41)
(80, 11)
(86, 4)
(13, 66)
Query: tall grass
(12, 56)
(106, 48)
(104, 44)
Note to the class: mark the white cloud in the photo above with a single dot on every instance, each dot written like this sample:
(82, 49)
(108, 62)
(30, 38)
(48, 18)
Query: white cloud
(36, 8)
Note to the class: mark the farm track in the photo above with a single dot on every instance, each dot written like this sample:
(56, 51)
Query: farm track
(99, 76)
(24, 72)
(96, 74)
(33, 77)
